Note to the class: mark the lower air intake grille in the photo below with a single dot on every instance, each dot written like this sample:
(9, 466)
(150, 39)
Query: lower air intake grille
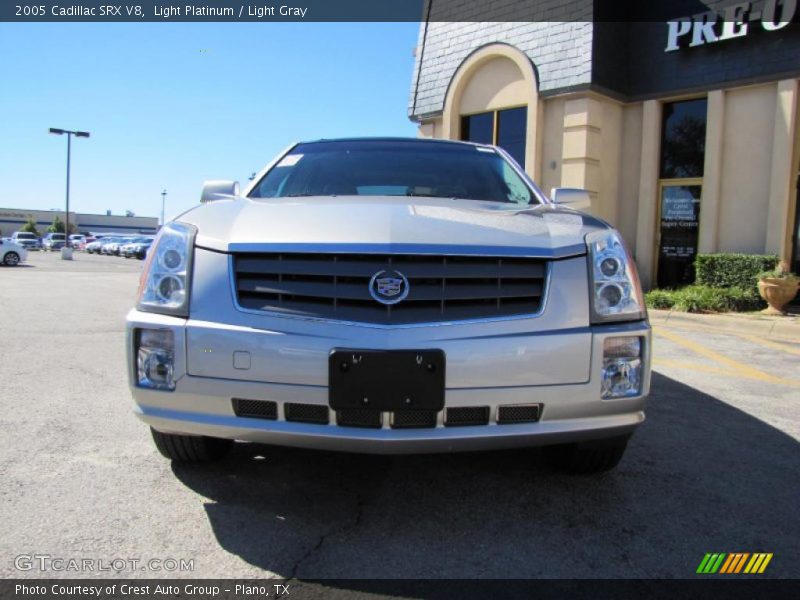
(467, 415)
(255, 409)
(306, 413)
(521, 413)
(413, 419)
(359, 417)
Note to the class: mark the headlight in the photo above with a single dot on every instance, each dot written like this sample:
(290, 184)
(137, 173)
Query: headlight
(164, 286)
(616, 294)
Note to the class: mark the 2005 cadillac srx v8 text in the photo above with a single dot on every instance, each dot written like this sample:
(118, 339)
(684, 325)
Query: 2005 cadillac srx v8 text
(390, 296)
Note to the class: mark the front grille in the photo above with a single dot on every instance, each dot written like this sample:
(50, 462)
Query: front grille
(466, 415)
(441, 288)
(256, 409)
(359, 417)
(306, 413)
(521, 413)
(413, 419)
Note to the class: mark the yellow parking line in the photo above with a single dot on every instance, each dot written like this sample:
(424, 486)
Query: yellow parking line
(740, 369)
(769, 343)
(668, 362)
(777, 345)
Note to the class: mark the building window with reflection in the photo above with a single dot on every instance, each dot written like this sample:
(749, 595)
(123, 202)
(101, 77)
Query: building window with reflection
(683, 149)
(505, 128)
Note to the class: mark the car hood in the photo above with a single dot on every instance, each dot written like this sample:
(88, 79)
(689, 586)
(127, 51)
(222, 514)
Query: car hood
(390, 224)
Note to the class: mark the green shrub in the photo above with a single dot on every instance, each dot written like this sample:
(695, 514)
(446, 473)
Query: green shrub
(732, 270)
(742, 300)
(660, 299)
(780, 272)
(701, 298)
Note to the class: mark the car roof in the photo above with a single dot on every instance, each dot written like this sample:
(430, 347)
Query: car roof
(398, 140)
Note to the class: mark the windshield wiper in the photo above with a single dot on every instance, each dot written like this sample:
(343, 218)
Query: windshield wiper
(427, 195)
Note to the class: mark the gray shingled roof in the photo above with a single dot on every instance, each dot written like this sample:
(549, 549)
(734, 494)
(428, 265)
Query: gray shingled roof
(560, 51)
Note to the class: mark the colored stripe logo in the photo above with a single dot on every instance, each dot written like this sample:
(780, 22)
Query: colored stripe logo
(734, 563)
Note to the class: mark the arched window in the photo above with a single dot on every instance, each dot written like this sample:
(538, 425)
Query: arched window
(493, 99)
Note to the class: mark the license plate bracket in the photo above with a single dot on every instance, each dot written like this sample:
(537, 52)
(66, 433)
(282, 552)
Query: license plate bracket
(386, 380)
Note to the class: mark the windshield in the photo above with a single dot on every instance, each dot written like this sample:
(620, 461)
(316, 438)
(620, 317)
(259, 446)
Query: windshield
(25, 236)
(394, 168)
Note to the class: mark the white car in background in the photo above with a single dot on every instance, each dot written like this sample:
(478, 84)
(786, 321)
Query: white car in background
(11, 253)
(77, 240)
(27, 240)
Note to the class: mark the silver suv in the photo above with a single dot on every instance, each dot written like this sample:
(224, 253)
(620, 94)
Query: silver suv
(26, 239)
(390, 296)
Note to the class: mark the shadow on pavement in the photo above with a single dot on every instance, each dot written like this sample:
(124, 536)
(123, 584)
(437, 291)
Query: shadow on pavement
(699, 476)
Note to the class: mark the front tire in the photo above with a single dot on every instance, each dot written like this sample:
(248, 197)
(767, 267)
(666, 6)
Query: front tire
(190, 448)
(585, 458)
(11, 259)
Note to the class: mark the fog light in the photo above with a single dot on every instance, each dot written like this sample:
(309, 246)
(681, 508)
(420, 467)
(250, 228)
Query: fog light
(622, 367)
(155, 359)
(622, 347)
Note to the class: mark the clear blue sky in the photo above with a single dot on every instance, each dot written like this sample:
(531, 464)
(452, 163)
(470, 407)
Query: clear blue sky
(171, 104)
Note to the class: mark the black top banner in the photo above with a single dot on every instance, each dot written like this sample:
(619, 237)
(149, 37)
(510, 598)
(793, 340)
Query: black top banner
(365, 10)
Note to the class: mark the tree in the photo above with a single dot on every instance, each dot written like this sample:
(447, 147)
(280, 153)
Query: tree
(30, 226)
(58, 226)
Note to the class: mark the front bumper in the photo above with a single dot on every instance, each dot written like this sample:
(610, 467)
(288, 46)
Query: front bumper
(201, 404)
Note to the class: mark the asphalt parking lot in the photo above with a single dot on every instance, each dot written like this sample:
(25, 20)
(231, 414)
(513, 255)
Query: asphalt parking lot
(714, 468)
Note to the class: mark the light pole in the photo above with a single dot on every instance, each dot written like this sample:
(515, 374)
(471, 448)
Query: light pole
(67, 253)
(163, 202)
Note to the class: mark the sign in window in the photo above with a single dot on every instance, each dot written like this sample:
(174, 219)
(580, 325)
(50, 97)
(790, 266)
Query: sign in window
(680, 220)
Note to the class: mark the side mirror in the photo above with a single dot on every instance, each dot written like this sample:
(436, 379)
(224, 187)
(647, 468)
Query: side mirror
(218, 189)
(572, 197)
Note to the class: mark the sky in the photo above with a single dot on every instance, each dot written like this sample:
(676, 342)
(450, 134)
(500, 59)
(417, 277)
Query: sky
(169, 105)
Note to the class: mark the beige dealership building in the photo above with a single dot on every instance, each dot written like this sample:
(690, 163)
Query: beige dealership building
(684, 131)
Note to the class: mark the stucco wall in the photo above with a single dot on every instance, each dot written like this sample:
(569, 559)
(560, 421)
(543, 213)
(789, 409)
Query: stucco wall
(746, 163)
(629, 173)
(497, 84)
(552, 143)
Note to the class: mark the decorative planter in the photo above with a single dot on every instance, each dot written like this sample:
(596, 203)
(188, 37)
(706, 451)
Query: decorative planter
(778, 292)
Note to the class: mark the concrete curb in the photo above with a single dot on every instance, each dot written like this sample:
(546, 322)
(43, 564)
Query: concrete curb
(767, 326)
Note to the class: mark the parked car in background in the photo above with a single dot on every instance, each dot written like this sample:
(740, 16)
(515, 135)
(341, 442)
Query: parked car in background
(124, 248)
(107, 242)
(391, 296)
(12, 253)
(94, 246)
(112, 248)
(27, 240)
(77, 240)
(137, 249)
(54, 241)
